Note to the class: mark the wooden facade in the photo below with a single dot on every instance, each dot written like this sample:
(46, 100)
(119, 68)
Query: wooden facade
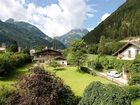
(47, 55)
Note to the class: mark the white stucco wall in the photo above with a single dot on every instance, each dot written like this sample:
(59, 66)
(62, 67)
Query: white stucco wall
(2, 49)
(125, 53)
(62, 62)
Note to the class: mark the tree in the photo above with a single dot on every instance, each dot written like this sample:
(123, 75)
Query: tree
(135, 71)
(13, 47)
(99, 94)
(53, 63)
(135, 67)
(41, 88)
(102, 48)
(78, 55)
(93, 48)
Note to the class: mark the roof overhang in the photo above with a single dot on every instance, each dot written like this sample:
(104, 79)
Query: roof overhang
(125, 47)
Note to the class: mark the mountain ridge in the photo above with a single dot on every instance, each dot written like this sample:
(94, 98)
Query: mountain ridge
(73, 34)
(26, 35)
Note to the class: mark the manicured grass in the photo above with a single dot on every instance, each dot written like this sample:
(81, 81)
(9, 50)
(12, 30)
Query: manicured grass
(137, 102)
(76, 80)
(9, 80)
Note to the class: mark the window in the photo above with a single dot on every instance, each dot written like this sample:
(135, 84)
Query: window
(129, 54)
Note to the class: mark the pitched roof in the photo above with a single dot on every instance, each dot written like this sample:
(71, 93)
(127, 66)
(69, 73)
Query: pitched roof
(49, 52)
(135, 43)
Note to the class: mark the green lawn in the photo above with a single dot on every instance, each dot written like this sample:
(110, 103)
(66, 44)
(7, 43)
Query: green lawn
(76, 80)
(8, 81)
(137, 102)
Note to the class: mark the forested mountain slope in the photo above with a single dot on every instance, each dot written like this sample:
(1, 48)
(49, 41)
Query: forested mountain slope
(25, 34)
(123, 23)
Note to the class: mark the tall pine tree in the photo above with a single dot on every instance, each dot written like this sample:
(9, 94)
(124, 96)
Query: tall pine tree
(101, 47)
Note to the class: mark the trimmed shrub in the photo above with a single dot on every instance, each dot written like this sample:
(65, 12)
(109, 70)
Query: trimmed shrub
(134, 92)
(41, 88)
(99, 94)
(85, 69)
(135, 79)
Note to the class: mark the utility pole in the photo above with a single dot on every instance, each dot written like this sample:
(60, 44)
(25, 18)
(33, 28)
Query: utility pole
(54, 47)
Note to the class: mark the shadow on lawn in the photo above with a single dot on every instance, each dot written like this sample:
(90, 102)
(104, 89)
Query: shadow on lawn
(59, 69)
(13, 76)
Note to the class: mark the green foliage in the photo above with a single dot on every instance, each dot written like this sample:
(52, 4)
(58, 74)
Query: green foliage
(134, 92)
(13, 47)
(77, 53)
(108, 47)
(124, 22)
(10, 61)
(26, 35)
(85, 69)
(54, 64)
(26, 51)
(112, 47)
(135, 79)
(135, 67)
(104, 63)
(41, 88)
(99, 94)
(4, 93)
(135, 71)
(98, 66)
(101, 47)
(93, 73)
(93, 49)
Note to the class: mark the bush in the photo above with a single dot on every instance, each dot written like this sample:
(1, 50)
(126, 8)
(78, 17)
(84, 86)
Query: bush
(103, 63)
(85, 69)
(53, 63)
(41, 88)
(134, 92)
(99, 94)
(93, 73)
(135, 79)
(10, 61)
(135, 67)
(98, 66)
(4, 93)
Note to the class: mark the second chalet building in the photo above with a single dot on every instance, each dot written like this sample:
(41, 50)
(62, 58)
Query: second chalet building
(128, 51)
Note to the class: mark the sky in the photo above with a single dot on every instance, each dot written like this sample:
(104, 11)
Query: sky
(57, 17)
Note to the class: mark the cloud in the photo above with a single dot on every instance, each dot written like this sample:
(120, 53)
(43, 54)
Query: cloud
(12, 9)
(90, 28)
(51, 19)
(104, 17)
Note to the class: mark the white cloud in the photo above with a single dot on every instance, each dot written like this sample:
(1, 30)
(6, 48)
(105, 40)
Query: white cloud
(90, 28)
(51, 19)
(13, 9)
(104, 17)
